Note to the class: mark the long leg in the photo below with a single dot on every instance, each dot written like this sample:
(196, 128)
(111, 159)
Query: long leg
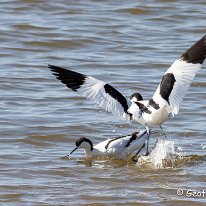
(133, 158)
(148, 135)
(163, 132)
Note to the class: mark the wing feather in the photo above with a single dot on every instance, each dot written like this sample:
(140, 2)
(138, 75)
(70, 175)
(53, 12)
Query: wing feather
(102, 94)
(178, 78)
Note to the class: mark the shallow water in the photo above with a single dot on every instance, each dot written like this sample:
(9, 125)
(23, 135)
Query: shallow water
(127, 44)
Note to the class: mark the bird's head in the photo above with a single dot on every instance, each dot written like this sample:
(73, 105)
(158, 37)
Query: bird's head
(134, 111)
(136, 97)
(84, 143)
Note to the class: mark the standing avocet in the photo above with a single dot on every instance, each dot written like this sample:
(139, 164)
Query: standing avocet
(118, 147)
(165, 102)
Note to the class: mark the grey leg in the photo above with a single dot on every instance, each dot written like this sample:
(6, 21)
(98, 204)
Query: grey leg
(163, 132)
(133, 158)
(148, 135)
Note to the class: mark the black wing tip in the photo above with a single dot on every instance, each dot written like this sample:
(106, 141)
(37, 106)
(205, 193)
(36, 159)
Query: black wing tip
(65, 72)
(54, 68)
(71, 79)
(197, 53)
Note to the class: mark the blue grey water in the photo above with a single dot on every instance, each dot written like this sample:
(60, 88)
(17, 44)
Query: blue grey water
(128, 44)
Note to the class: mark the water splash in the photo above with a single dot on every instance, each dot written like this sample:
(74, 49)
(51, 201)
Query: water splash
(203, 146)
(162, 151)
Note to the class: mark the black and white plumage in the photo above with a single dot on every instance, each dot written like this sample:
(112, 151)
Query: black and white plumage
(104, 95)
(165, 102)
(118, 147)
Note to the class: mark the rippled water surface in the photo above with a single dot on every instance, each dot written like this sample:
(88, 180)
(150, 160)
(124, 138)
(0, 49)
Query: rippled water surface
(129, 44)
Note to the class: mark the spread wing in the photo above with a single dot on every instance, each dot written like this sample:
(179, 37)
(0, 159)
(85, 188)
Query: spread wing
(177, 79)
(102, 94)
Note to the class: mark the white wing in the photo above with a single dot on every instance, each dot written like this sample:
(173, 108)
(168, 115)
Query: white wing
(177, 79)
(127, 144)
(98, 91)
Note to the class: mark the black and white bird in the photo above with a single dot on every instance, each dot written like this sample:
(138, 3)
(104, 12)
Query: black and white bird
(165, 102)
(118, 147)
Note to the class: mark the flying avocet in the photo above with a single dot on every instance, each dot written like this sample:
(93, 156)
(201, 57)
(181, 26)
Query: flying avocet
(118, 147)
(165, 102)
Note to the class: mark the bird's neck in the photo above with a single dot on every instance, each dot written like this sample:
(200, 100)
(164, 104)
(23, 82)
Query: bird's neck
(94, 152)
(88, 148)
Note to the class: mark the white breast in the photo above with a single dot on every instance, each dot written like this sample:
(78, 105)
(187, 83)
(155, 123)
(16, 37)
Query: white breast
(157, 117)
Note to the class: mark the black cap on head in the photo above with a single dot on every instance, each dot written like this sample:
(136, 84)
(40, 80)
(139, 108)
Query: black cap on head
(83, 139)
(80, 140)
(137, 96)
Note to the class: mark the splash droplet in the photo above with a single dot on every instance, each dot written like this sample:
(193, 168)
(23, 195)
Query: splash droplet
(163, 149)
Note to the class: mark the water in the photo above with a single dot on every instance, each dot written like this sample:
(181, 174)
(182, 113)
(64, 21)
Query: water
(129, 44)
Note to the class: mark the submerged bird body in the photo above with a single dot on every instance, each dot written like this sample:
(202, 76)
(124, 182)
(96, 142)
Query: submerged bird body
(165, 102)
(118, 148)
